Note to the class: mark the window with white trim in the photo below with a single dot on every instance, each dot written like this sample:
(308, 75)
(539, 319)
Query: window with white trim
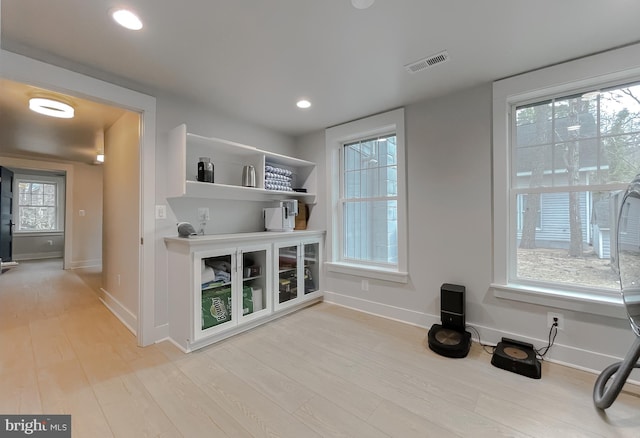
(563, 156)
(365, 161)
(369, 201)
(39, 204)
(571, 155)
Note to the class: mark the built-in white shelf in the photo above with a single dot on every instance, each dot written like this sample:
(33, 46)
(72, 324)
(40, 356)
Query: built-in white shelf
(229, 158)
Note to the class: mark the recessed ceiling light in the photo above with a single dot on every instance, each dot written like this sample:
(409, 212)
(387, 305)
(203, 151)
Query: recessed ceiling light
(52, 108)
(127, 19)
(303, 104)
(362, 4)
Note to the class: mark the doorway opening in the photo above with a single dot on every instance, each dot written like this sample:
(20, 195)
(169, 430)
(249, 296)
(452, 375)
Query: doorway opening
(138, 310)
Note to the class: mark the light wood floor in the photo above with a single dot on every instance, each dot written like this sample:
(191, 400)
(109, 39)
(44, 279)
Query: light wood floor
(325, 371)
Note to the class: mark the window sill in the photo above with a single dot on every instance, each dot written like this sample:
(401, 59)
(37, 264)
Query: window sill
(611, 306)
(368, 272)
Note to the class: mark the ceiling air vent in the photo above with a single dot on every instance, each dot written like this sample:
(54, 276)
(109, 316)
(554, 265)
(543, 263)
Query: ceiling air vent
(428, 62)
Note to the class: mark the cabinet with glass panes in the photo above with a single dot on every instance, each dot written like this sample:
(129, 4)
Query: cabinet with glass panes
(298, 272)
(233, 287)
(221, 285)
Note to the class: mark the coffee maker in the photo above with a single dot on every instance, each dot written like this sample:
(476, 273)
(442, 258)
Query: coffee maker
(282, 217)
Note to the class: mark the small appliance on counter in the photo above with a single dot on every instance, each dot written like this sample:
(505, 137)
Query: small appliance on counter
(282, 217)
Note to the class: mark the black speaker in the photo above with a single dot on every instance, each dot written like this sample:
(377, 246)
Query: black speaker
(452, 306)
(450, 339)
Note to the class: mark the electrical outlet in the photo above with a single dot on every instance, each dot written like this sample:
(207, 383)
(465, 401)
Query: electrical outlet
(203, 214)
(560, 319)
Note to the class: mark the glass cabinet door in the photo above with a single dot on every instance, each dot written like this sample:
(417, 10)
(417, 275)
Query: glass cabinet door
(216, 298)
(287, 273)
(255, 281)
(311, 267)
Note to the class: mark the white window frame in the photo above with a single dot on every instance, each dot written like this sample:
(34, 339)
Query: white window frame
(336, 137)
(615, 67)
(59, 182)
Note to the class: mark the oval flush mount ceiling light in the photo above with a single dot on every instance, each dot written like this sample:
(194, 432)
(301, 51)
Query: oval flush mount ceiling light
(126, 19)
(304, 104)
(51, 108)
(362, 4)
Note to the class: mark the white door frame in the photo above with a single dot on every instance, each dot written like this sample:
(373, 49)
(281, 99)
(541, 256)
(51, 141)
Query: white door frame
(27, 70)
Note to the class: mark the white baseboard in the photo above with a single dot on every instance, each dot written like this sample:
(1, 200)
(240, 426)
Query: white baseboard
(129, 320)
(38, 255)
(407, 316)
(584, 360)
(161, 333)
(85, 263)
(178, 346)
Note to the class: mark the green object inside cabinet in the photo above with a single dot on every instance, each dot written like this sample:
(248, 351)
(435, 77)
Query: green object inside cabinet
(216, 305)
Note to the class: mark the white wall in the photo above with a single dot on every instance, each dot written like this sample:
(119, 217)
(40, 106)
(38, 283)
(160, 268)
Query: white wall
(450, 238)
(121, 245)
(37, 246)
(87, 196)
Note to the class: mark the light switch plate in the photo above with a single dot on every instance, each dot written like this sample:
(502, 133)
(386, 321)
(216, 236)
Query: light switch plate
(161, 211)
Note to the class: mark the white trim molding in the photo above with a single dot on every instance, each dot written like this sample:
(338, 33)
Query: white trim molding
(335, 138)
(368, 272)
(129, 320)
(610, 68)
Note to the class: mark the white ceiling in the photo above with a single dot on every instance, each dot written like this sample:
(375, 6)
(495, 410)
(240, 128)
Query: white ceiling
(254, 58)
(25, 133)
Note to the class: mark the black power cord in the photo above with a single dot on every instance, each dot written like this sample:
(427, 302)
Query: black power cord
(484, 346)
(552, 330)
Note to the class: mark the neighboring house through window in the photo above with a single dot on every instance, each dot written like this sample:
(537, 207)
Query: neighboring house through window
(566, 145)
(367, 190)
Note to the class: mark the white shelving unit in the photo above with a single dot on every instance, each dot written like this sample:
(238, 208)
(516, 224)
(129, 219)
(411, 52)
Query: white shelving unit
(196, 303)
(229, 158)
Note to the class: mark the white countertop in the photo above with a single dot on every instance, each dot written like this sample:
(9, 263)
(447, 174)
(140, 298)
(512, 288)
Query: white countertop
(207, 239)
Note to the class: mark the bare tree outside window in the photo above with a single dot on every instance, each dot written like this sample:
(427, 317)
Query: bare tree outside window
(37, 206)
(572, 155)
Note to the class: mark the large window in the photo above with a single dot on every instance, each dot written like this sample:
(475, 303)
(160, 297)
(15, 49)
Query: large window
(564, 152)
(39, 204)
(369, 201)
(572, 155)
(366, 174)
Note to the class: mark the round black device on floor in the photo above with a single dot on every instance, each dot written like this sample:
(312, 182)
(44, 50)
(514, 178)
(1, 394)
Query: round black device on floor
(450, 339)
(449, 342)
